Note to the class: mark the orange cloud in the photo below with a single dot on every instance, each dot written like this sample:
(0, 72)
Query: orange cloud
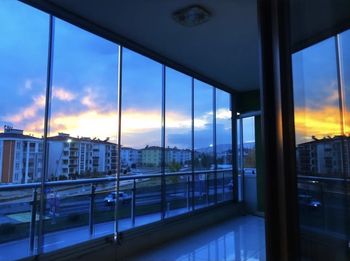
(88, 124)
(317, 122)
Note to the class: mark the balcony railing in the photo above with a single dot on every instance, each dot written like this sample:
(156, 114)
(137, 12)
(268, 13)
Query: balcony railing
(89, 204)
(323, 204)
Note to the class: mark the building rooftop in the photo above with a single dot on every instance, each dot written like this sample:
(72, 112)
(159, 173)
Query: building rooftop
(67, 137)
(11, 133)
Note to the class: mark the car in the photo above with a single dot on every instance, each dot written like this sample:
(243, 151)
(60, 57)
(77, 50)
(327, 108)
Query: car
(111, 198)
(314, 204)
(309, 201)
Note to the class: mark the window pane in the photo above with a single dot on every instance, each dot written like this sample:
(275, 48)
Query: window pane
(83, 133)
(224, 144)
(249, 161)
(319, 144)
(203, 142)
(345, 62)
(141, 129)
(23, 65)
(178, 144)
(315, 80)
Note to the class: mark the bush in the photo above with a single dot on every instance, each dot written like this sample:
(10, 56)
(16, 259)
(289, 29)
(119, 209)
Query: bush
(7, 228)
(62, 177)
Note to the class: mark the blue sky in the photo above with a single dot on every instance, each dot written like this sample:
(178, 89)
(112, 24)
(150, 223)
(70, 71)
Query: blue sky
(84, 86)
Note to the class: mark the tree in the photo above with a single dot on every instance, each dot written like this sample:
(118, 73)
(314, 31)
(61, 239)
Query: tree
(174, 166)
(62, 177)
(175, 179)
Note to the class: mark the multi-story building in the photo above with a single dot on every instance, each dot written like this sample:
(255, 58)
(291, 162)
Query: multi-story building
(177, 155)
(72, 157)
(151, 156)
(21, 157)
(327, 156)
(130, 156)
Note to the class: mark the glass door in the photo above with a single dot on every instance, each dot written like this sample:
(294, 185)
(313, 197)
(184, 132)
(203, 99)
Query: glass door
(246, 151)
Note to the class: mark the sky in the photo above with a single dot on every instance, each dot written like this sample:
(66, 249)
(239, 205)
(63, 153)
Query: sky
(84, 87)
(316, 95)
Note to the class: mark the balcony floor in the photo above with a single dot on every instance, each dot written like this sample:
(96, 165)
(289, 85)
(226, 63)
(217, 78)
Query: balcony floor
(240, 239)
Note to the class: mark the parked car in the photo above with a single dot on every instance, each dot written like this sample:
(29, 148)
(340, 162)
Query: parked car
(111, 199)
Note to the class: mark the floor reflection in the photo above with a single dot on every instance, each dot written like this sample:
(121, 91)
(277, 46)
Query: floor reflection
(239, 239)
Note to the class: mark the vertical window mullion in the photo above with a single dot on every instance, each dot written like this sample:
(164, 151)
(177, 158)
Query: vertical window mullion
(40, 241)
(192, 146)
(120, 90)
(163, 184)
(214, 148)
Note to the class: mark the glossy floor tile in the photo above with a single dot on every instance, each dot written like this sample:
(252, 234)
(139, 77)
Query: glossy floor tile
(239, 239)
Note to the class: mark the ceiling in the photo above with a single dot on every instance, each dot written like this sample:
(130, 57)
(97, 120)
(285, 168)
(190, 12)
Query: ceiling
(224, 50)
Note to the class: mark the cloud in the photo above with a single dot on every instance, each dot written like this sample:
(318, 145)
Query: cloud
(28, 84)
(90, 115)
(89, 99)
(333, 98)
(317, 122)
(62, 94)
(223, 114)
(88, 124)
(28, 112)
(202, 122)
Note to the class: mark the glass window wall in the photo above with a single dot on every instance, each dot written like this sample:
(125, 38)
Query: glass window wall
(176, 137)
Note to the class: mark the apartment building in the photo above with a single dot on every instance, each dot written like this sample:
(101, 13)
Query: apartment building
(326, 156)
(130, 156)
(20, 157)
(151, 156)
(72, 157)
(178, 155)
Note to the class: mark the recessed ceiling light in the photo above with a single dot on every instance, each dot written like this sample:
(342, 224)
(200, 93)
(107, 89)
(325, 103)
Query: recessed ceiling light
(191, 16)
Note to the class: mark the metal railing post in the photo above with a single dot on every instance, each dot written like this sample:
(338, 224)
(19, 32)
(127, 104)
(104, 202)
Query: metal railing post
(133, 203)
(215, 187)
(188, 193)
(207, 187)
(33, 221)
(168, 209)
(223, 186)
(91, 211)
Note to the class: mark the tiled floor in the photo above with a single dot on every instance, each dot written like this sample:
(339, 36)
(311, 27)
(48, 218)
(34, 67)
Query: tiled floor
(240, 239)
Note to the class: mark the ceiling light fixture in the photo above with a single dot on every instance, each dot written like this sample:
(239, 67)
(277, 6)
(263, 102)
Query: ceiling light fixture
(191, 16)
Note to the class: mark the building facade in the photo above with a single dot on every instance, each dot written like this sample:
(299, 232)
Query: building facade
(21, 157)
(71, 157)
(130, 157)
(152, 156)
(326, 157)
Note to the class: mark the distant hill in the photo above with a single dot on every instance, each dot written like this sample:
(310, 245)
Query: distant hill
(224, 147)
